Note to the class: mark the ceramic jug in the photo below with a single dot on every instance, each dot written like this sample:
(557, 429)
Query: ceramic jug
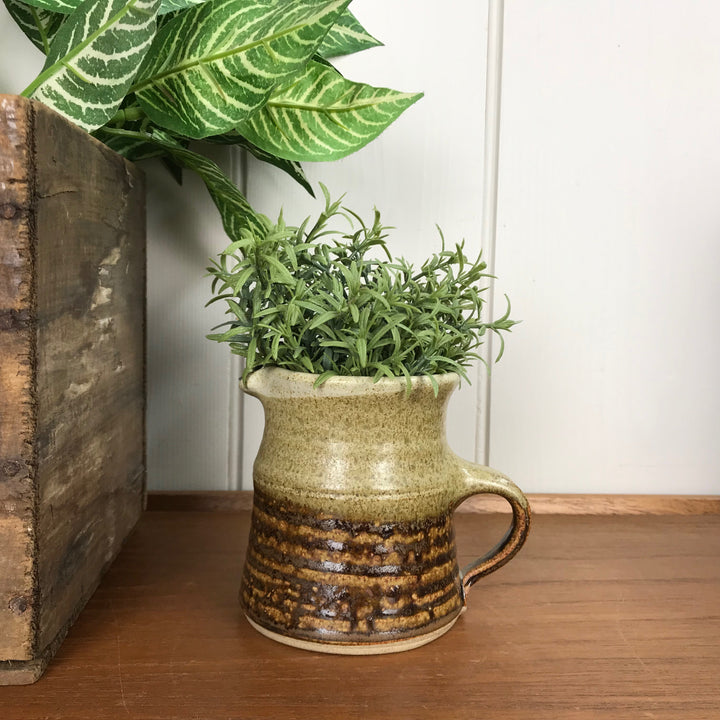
(351, 547)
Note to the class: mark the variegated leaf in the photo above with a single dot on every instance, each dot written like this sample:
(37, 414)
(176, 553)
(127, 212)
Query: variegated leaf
(67, 6)
(64, 7)
(138, 145)
(235, 211)
(292, 168)
(132, 145)
(346, 36)
(168, 6)
(94, 58)
(214, 65)
(323, 116)
(40, 26)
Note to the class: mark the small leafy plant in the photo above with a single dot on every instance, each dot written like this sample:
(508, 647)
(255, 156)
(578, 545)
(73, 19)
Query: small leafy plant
(313, 299)
(147, 77)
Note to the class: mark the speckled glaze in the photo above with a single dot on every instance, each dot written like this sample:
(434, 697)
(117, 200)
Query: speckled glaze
(351, 546)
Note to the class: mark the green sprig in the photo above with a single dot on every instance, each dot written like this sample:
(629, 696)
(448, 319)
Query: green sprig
(316, 300)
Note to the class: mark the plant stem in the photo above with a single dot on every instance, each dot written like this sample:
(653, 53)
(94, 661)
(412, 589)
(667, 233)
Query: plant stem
(129, 114)
(127, 133)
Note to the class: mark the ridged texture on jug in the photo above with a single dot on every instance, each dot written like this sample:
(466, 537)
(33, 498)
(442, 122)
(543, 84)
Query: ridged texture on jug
(317, 577)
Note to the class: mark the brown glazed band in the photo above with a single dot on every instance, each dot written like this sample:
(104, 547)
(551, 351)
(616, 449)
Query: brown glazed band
(330, 580)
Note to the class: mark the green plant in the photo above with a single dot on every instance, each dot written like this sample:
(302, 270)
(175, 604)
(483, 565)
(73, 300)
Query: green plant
(149, 76)
(312, 299)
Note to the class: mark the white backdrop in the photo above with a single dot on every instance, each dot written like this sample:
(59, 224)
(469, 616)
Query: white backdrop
(608, 240)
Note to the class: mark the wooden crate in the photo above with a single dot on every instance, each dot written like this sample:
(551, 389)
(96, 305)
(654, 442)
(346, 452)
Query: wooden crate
(72, 327)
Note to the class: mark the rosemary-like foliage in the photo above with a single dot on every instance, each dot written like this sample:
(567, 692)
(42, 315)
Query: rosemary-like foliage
(314, 300)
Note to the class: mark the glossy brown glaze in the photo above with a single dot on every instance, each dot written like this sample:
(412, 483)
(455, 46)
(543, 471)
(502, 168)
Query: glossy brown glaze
(317, 577)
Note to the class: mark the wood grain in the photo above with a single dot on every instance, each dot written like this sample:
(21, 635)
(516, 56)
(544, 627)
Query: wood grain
(72, 283)
(18, 411)
(238, 500)
(90, 263)
(597, 618)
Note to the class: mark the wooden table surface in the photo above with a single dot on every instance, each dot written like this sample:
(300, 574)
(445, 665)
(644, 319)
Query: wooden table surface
(598, 617)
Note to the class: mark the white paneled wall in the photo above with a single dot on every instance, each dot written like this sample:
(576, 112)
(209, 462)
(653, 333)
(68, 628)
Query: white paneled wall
(191, 390)
(20, 61)
(608, 239)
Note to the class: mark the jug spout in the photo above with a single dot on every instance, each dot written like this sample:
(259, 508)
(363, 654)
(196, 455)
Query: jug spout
(253, 385)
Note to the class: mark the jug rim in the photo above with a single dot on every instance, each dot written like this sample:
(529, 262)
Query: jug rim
(272, 381)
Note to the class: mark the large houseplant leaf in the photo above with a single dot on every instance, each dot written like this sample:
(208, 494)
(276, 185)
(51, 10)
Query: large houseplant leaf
(214, 65)
(346, 36)
(93, 59)
(59, 6)
(292, 168)
(39, 25)
(67, 6)
(132, 144)
(236, 214)
(322, 116)
(172, 5)
(235, 211)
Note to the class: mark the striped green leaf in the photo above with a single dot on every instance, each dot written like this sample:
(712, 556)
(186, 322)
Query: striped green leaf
(235, 211)
(135, 145)
(292, 168)
(323, 116)
(59, 6)
(39, 25)
(67, 6)
(214, 65)
(133, 149)
(346, 36)
(168, 6)
(93, 59)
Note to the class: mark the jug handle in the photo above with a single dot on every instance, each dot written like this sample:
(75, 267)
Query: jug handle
(478, 479)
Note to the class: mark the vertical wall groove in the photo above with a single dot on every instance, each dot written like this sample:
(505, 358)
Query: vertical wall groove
(493, 87)
(238, 173)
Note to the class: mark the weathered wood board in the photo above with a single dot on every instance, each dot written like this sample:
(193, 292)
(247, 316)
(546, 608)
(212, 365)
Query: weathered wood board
(72, 335)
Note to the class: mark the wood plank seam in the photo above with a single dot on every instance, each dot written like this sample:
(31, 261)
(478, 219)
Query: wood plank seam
(32, 226)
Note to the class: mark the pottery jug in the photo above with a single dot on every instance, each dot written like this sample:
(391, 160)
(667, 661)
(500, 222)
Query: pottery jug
(351, 546)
